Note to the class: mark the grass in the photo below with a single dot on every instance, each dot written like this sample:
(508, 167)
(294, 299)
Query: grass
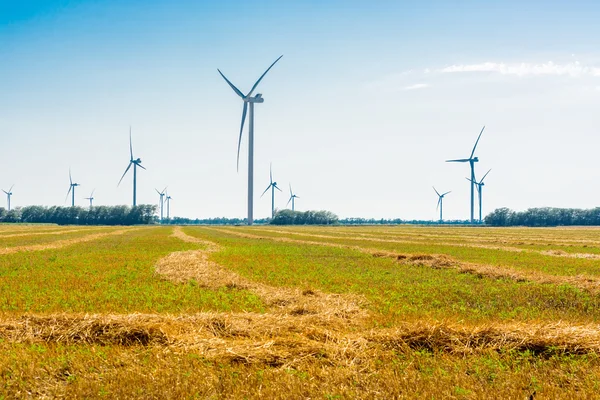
(207, 313)
(398, 292)
(529, 261)
(112, 274)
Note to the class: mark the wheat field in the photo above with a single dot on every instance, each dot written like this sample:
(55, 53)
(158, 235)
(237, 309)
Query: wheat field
(299, 312)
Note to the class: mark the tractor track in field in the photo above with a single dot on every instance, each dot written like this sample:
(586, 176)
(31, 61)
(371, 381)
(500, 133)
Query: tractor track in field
(64, 242)
(442, 261)
(553, 253)
(43, 233)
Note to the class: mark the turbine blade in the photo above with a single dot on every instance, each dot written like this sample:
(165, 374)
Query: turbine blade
(92, 195)
(158, 191)
(438, 203)
(262, 76)
(459, 160)
(435, 190)
(236, 90)
(297, 196)
(271, 172)
(478, 137)
(486, 174)
(141, 166)
(13, 185)
(288, 203)
(470, 180)
(241, 130)
(130, 144)
(4, 191)
(276, 187)
(129, 166)
(70, 180)
(263, 193)
(291, 194)
(165, 190)
(67, 196)
(447, 193)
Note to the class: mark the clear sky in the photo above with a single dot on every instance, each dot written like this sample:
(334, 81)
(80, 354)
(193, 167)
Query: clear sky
(360, 114)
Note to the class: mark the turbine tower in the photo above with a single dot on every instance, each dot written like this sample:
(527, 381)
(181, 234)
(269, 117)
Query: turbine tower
(168, 200)
(91, 198)
(272, 186)
(162, 200)
(72, 187)
(136, 163)
(249, 99)
(471, 160)
(292, 198)
(479, 186)
(8, 195)
(440, 203)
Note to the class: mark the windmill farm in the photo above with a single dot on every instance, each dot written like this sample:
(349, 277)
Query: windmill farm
(249, 100)
(319, 200)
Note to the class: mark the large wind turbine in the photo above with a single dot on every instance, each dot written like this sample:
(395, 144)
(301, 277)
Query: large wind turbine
(91, 198)
(480, 186)
(292, 197)
(162, 200)
(272, 186)
(471, 160)
(72, 187)
(8, 195)
(168, 200)
(249, 99)
(136, 163)
(440, 203)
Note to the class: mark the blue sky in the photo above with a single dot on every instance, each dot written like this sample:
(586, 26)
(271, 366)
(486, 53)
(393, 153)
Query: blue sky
(368, 101)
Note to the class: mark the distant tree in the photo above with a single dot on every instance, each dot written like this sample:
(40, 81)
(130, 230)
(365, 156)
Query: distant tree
(289, 217)
(545, 216)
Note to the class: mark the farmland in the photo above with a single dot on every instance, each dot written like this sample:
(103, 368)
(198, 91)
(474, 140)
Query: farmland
(302, 312)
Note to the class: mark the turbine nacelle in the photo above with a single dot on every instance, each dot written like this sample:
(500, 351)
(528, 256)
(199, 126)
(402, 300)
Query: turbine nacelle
(256, 99)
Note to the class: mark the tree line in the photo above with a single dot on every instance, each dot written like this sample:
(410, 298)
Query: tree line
(97, 215)
(546, 216)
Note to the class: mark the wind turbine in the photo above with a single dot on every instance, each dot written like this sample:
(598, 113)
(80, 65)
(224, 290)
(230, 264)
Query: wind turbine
(471, 160)
(292, 197)
(249, 99)
(168, 200)
(480, 186)
(72, 187)
(8, 195)
(162, 195)
(91, 198)
(440, 203)
(136, 163)
(272, 186)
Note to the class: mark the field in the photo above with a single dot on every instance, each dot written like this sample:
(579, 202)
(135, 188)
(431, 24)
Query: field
(302, 312)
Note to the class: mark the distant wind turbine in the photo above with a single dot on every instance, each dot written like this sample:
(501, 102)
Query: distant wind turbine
(168, 200)
(471, 160)
(8, 195)
(248, 99)
(480, 186)
(272, 186)
(440, 203)
(91, 198)
(292, 197)
(162, 200)
(72, 187)
(136, 163)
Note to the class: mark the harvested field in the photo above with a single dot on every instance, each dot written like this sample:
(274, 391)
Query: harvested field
(295, 313)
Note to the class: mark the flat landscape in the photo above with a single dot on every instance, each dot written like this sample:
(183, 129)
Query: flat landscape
(299, 312)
